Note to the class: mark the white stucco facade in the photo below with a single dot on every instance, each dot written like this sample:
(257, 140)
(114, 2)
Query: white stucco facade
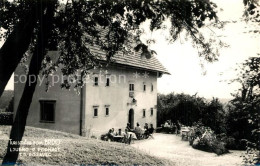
(99, 107)
(116, 98)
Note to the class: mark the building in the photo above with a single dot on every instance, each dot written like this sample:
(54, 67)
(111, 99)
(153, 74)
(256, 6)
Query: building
(126, 91)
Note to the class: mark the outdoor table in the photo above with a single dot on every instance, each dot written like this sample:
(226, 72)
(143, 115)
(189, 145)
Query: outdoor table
(118, 138)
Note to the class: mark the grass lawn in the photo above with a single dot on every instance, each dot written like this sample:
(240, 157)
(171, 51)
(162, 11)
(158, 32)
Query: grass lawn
(74, 149)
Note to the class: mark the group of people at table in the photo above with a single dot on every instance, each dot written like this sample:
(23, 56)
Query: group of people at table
(129, 134)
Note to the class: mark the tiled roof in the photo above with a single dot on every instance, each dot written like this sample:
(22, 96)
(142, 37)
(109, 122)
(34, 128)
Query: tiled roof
(135, 60)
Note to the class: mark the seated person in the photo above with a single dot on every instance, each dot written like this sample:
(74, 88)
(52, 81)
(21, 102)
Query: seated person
(150, 131)
(130, 133)
(146, 126)
(110, 135)
(128, 127)
(146, 132)
(128, 136)
(138, 131)
(166, 125)
(113, 131)
(120, 132)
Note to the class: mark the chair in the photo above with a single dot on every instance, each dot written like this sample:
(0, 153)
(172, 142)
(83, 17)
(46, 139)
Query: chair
(184, 133)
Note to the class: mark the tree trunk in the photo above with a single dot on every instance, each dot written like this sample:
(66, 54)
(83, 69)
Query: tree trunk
(18, 127)
(16, 45)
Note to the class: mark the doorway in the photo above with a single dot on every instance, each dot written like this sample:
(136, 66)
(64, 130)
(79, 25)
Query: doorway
(131, 118)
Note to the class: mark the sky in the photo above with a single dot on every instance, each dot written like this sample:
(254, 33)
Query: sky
(182, 61)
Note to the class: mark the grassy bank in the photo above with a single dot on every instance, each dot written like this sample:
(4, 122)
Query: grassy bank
(74, 149)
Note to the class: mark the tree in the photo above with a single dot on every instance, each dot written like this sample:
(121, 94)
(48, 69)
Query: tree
(244, 109)
(184, 108)
(246, 103)
(213, 116)
(32, 27)
(192, 109)
(252, 9)
(80, 18)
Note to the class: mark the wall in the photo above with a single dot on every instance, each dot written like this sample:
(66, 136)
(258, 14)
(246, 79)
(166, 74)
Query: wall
(67, 112)
(68, 104)
(117, 97)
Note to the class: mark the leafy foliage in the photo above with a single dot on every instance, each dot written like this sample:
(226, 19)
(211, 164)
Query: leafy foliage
(252, 10)
(189, 109)
(111, 26)
(244, 109)
(205, 139)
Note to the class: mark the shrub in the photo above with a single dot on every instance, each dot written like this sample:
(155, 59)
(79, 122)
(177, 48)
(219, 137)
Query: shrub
(6, 118)
(251, 157)
(205, 139)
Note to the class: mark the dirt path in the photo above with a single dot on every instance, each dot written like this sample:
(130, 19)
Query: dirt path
(180, 152)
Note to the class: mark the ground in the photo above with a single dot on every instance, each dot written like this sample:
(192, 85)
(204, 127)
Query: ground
(164, 149)
(171, 147)
(73, 149)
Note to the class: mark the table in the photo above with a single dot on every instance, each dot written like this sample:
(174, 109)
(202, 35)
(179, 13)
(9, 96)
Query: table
(118, 138)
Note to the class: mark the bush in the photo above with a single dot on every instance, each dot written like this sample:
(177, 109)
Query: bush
(251, 157)
(205, 139)
(230, 142)
(6, 118)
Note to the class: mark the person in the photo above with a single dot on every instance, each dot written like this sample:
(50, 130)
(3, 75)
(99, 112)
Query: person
(166, 124)
(118, 137)
(110, 135)
(130, 132)
(151, 129)
(128, 127)
(146, 132)
(178, 125)
(127, 137)
(120, 132)
(174, 128)
(146, 126)
(138, 131)
(113, 131)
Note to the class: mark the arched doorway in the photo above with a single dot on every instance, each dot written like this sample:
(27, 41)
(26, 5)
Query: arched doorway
(131, 118)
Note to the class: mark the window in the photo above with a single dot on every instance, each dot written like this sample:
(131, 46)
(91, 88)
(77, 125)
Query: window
(131, 87)
(95, 111)
(144, 87)
(107, 82)
(151, 87)
(107, 111)
(47, 111)
(96, 81)
(143, 113)
(151, 111)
